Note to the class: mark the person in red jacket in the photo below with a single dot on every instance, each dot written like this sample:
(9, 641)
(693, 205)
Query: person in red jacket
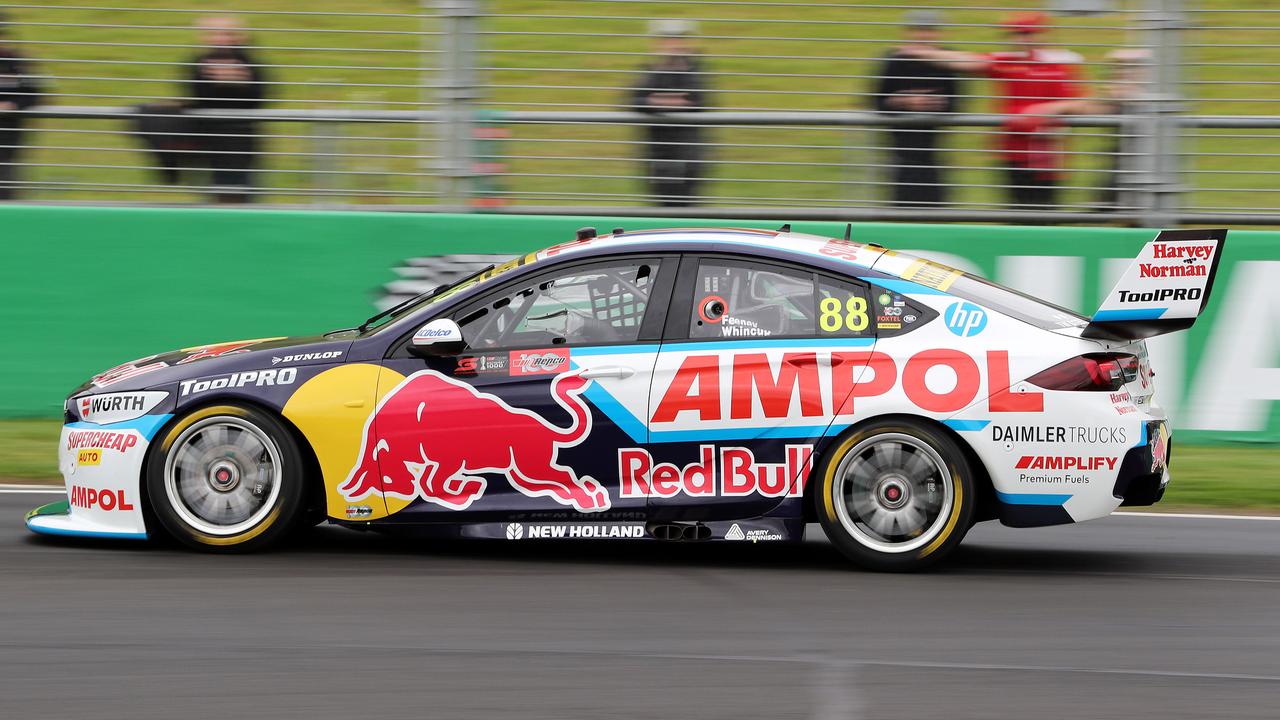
(1033, 78)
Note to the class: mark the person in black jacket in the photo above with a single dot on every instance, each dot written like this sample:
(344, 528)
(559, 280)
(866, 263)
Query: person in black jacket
(18, 91)
(910, 85)
(225, 78)
(673, 83)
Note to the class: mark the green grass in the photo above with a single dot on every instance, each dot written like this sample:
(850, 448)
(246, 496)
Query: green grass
(1223, 477)
(554, 163)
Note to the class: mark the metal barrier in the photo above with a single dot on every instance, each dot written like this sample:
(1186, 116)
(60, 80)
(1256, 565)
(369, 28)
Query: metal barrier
(543, 106)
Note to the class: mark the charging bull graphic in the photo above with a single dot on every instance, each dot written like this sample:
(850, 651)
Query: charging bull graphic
(431, 431)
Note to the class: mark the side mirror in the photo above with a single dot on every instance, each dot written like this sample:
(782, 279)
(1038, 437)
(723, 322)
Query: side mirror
(439, 338)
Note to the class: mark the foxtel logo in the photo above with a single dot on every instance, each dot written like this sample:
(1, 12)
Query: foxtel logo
(1053, 462)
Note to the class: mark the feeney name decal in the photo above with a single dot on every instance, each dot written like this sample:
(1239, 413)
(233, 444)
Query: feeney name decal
(739, 472)
(88, 498)
(697, 386)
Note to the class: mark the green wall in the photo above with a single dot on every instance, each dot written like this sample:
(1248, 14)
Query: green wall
(82, 289)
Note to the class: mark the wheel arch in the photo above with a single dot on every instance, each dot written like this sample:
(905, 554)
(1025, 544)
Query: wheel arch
(312, 475)
(986, 506)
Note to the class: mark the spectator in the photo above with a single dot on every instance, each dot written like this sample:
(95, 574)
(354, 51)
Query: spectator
(912, 85)
(225, 78)
(673, 83)
(18, 91)
(1030, 74)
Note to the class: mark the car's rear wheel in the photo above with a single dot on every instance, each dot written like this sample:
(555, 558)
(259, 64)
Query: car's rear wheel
(226, 478)
(895, 495)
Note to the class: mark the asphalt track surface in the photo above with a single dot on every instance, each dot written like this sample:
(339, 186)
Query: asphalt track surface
(1120, 618)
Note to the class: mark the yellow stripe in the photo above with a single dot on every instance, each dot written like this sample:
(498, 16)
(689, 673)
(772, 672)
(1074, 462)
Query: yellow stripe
(951, 521)
(195, 417)
(245, 536)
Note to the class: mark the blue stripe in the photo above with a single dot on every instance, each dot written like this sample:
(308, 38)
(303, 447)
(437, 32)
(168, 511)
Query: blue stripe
(966, 425)
(751, 433)
(775, 343)
(1142, 438)
(1120, 315)
(614, 350)
(614, 410)
(65, 532)
(1032, 499)
(147, 425)
(902, 287)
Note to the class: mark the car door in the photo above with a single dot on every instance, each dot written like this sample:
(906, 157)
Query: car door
(526, 421)
(757, 361)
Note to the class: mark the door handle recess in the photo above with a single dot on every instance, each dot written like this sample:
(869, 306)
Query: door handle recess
(613, 371)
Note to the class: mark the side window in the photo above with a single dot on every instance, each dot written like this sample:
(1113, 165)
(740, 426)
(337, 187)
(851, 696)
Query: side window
(581, 306)
(895, 314)
(843, 310)
(743, 300)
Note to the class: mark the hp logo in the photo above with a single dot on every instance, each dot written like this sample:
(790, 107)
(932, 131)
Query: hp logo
(965, 319)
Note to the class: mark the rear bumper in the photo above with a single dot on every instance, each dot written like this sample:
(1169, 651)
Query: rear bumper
(56, 519)
(1144, 473)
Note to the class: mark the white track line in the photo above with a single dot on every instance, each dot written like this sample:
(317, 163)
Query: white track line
(10, 489)
(1197, 516)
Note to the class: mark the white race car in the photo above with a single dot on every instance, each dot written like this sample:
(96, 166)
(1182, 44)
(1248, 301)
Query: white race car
(679, 385)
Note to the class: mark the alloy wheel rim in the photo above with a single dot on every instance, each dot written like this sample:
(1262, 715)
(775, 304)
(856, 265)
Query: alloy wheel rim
(223, 475)
(893, 493)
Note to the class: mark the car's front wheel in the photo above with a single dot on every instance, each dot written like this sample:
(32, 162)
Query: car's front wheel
(226, 478)
(895, 495)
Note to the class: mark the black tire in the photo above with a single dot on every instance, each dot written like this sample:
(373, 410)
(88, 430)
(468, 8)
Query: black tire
(257, 465)
(919, 472)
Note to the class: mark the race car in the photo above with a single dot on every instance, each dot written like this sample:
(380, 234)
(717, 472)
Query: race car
(684, 385)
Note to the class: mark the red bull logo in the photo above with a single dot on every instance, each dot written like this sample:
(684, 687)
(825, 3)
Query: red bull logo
(431, 434)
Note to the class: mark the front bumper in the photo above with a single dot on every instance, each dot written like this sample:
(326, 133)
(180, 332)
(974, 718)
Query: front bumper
(56, 519)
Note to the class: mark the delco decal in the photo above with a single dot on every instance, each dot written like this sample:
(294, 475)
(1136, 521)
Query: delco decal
(1056, 462)
(110, 408)
(433, 437)
(101, 439)
(95, 499)
(248, 378)
(539, 362)
(755, 390)
(738, 472)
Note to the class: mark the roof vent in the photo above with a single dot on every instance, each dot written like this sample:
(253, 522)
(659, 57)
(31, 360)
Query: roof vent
(785, 228)
(618, 231)
(586, 233)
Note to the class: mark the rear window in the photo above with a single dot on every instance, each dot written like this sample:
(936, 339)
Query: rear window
(1015, 304)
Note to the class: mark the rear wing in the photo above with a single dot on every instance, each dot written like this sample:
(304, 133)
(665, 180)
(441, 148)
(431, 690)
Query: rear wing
(1165, 289)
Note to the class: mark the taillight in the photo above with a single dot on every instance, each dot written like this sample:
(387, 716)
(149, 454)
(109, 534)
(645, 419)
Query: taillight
(1093, 371)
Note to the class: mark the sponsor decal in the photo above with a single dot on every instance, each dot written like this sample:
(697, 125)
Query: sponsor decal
(437, 437)
(756, 535)
(1123, 403)
(1181, 251)
(1090, 434)
(92, 456)
(1058, 462)
(126, 371)
(218, 350)
(755, 390)
(910, 318)
(427, 332)
(931, 274)
(737, 470)
(965, 319)
(109, 408)
(101, 439)
(1184, 269)
(355, 512)
(1161, 295)
(842, 249)
(482, 364)
(93, 498)
(248, 378)
(1160, 449)
(887, 322)
(574, 531)
(304, 357)
(538, 362)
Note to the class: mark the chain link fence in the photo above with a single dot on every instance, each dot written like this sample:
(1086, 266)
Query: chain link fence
(1130, 111)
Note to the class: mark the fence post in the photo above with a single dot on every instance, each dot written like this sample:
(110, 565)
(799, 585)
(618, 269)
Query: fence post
(1159, 180)
(457, 94)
